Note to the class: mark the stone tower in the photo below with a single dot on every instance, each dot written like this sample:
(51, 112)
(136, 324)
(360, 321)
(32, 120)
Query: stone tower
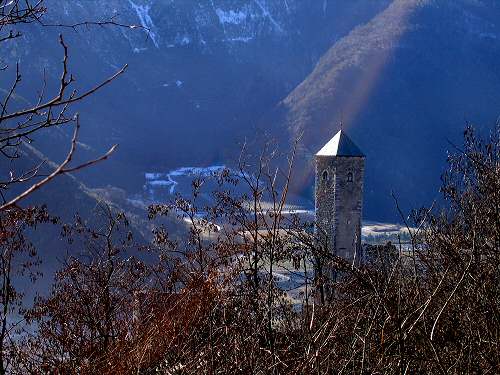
(339, 196)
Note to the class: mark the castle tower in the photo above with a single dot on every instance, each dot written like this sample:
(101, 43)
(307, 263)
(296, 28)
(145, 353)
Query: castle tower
(339, 196)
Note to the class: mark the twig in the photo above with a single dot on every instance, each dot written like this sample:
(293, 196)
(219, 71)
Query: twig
(61, 169)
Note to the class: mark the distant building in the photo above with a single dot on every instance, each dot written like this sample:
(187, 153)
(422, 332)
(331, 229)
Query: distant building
(339, 196)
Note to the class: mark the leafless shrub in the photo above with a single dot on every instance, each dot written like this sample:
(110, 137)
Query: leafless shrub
(211, 302)
(19, 263)
(20, 124)
(90, 306)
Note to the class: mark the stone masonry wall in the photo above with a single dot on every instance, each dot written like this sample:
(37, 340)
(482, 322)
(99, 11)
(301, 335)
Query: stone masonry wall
(339, 203)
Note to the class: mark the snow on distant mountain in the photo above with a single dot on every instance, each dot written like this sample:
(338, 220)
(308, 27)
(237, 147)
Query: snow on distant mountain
(181, 23)
(169, 181)
(146, 20)
(231, 17)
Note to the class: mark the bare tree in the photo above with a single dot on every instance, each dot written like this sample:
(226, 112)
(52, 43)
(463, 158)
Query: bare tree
(21, 124)
(430, 308)
(19, 262)
(205, 305)
(90, 307)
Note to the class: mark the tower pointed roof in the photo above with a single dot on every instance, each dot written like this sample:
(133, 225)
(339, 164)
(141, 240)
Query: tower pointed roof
(340, 145)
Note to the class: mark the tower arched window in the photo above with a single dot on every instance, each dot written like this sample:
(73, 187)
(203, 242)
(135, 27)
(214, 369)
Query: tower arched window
(324, 176)
(349, 177)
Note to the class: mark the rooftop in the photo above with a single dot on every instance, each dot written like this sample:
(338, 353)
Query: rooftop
(340, 145)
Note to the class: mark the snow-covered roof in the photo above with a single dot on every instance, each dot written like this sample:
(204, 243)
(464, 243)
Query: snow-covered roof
(340, 145)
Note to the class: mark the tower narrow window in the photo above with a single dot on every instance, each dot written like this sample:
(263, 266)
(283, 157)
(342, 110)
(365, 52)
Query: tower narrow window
(324, 176)
(349, 177)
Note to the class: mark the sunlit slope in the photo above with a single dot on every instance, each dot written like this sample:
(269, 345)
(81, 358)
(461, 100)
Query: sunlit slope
(403, 85)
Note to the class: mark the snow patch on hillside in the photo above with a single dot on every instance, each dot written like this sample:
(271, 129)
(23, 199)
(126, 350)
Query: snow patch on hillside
(242, 39)
(231, 16)
(160, 186)
(268, 15)
(146, 21)
(488, 36)
(170, 179)
(182, 40)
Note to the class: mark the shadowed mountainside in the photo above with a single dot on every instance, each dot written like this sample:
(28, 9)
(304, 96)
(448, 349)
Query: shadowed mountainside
(403, 85)
(404, 78)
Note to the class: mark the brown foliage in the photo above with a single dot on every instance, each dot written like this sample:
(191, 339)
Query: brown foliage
(19, 262)
(208, 302)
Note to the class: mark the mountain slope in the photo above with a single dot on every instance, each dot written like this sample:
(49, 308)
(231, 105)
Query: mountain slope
(403, 86)
(403, 76)
(200, 75)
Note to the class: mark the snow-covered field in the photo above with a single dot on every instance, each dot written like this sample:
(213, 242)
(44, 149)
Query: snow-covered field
(163, 186)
